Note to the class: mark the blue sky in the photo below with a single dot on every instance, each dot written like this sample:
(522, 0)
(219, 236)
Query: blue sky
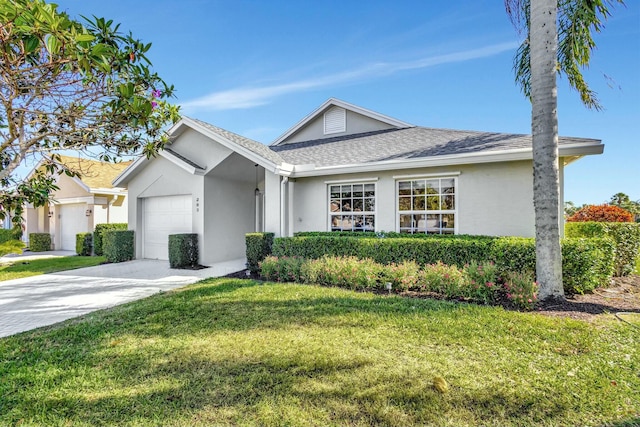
(257, 67)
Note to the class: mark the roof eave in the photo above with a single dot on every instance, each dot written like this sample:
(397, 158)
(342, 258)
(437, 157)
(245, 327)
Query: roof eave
(568, 150)
(244, 152)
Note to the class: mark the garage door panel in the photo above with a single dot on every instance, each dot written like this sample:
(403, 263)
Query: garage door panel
(73, 220)
(164, 216)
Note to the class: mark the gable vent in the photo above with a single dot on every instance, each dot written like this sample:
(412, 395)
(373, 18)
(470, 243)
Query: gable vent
(335, 120)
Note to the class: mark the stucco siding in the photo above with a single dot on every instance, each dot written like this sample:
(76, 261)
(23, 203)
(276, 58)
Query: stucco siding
(68, 188)
(229, 214)
(356, 123)
(492, 199)
(200, 149)
(163, 178)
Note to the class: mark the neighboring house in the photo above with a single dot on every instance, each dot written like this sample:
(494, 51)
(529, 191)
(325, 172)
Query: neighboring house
(340, 168)
(80, 203)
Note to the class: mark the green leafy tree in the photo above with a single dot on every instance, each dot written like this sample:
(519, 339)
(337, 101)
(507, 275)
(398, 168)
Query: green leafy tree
(570, 208)
(559, 40)
(71, 85)
(624, 201)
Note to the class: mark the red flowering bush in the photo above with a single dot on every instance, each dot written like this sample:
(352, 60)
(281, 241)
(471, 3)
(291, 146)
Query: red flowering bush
(521, 289)
(601, 213)
(481, 281)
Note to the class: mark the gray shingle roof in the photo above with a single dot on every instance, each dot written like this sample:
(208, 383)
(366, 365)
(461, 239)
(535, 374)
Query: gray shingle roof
(403, 144)
(249, 144)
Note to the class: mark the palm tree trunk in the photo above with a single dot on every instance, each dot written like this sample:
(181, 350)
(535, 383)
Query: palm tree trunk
(544, 128)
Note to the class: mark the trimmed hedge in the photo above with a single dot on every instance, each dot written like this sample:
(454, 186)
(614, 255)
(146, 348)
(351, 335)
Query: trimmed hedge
(588, 263)
(83, 244)
(258, 248)
(625, 234)
(98, 234)
(118, 245)
(7, 234)
(183, 250)
(39, 242)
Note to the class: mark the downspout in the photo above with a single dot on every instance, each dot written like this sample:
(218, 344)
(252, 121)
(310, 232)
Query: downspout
(283, 205)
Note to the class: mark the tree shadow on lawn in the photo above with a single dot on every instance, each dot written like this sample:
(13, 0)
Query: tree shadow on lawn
(184, 387)
(273, 390)
(211, 308)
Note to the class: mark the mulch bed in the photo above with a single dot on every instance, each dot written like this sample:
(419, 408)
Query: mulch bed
(622, 296)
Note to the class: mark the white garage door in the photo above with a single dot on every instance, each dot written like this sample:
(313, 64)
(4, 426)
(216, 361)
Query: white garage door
(73, 220)
(163, 216)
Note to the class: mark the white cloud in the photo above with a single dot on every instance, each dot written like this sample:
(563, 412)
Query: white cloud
(248, 97)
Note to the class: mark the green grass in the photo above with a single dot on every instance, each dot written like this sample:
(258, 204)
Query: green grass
(47, 265)
(637, 270)
(237, 352)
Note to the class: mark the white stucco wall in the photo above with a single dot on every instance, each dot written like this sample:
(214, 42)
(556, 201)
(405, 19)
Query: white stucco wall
(200, 149)
(161, 177)
(493, 199)
(229, 212)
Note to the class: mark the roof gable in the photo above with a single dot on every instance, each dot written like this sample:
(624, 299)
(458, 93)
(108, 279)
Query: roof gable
(248, 148)
(338, 118)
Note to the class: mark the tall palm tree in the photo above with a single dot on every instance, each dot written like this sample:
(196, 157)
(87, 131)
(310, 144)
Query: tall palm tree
(559, 40)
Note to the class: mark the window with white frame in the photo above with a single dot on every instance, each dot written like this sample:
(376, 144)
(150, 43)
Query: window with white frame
(352, 207)
(427, 205)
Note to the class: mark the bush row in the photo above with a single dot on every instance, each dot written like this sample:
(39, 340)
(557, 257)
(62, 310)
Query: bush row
(39, 242)
(625, 234)
(258, 247)
(7, 234)
(183, 250)
(476, 282)
(587, 263)
(98, 246)
(118, 245)
(84, 244)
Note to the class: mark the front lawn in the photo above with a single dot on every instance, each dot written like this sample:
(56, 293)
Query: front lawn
(238, 352)
(26, 268)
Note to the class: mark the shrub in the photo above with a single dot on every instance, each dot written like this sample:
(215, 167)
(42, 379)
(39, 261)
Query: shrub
(446, 280)
(7, 234)
(582, 271)
(476, 282)
(83, 244)
(258, 248)
(347, 272)
(425, 250)
(39, 242)
(183, 250)
(586, 264)
(481, 282)
(118, 245)
(521, 289)
(403, 276)
(601, 213)
(285, 269)
(11, 247)
(98, 235)
(626, 236)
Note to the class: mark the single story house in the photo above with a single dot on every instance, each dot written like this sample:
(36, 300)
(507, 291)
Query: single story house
(80, 203)
(342, 167)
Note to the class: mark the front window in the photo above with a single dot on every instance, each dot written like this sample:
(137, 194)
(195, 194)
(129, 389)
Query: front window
(427, 206)
(352, 207)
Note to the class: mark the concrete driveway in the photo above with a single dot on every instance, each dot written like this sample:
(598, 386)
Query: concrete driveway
(43, 300)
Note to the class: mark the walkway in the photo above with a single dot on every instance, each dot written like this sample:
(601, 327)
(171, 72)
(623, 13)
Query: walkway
(37, 301)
